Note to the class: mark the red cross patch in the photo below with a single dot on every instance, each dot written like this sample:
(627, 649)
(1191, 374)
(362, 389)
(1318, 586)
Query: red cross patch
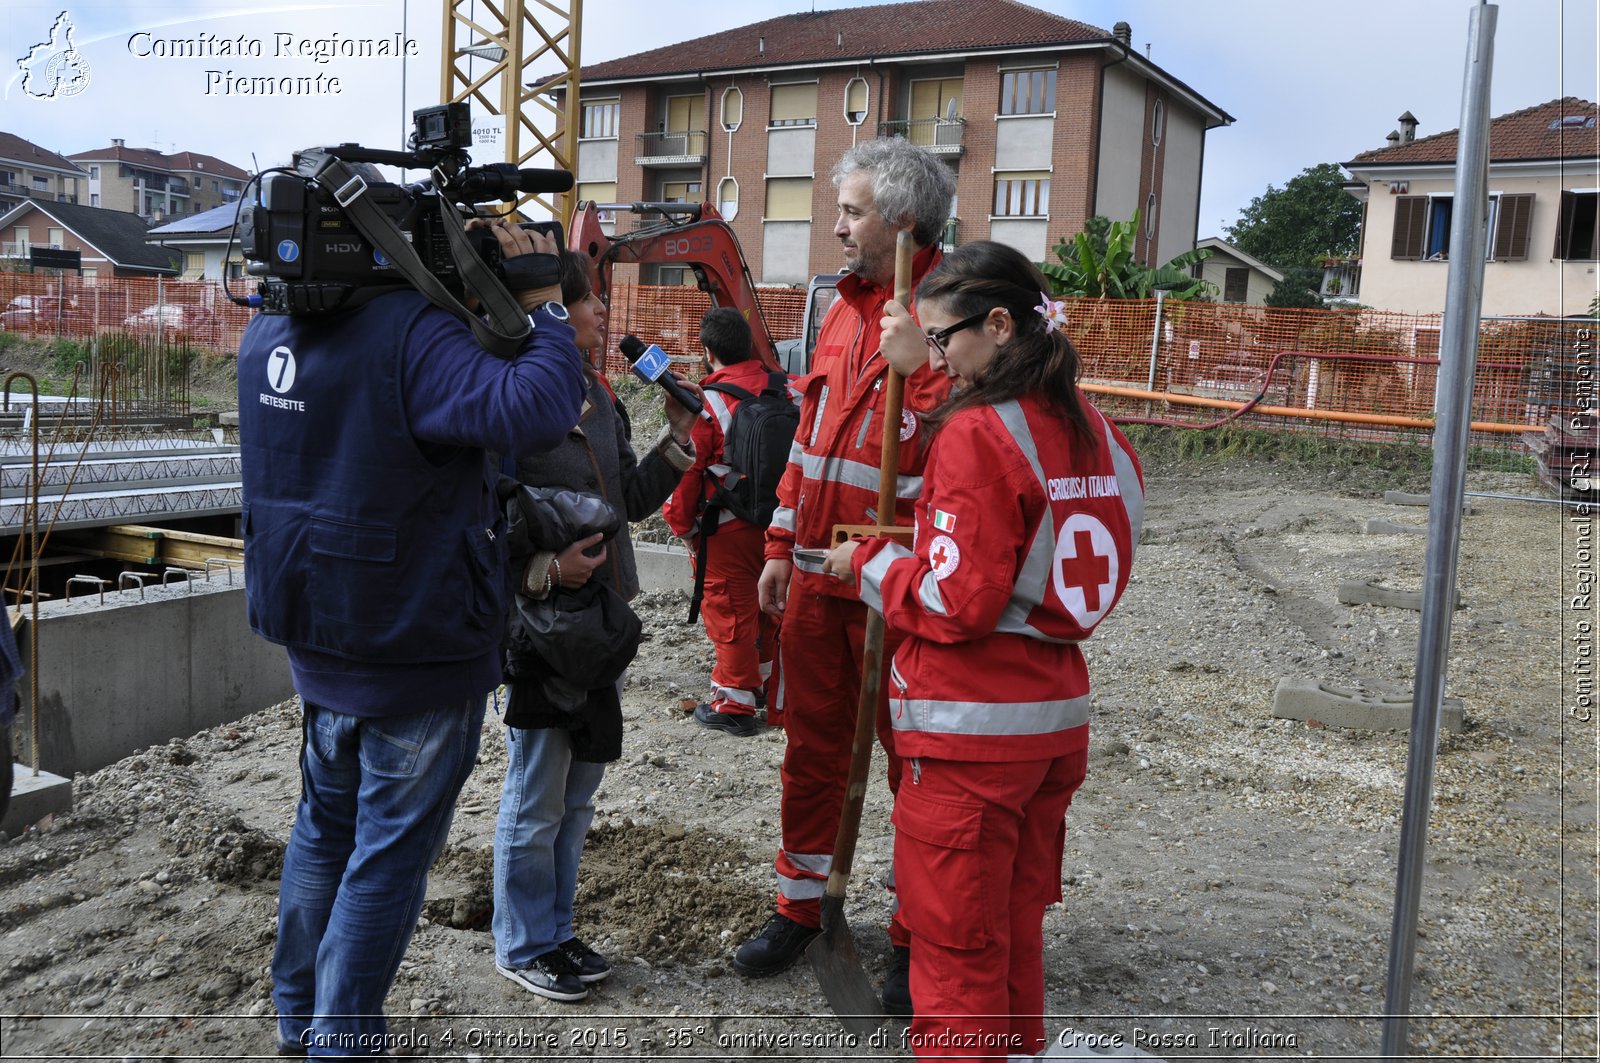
(944, 555)
(1086, 568)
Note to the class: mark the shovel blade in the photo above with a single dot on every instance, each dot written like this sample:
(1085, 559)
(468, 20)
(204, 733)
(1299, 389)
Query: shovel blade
(834, 958)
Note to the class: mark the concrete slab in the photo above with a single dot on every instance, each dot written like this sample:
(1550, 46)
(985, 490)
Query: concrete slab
(34, 797)
(1355, 592)
(663, 568)
(1402, 498)
(1379, 526)
(1307, 699)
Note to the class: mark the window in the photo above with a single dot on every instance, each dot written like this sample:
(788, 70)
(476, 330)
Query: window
(1576, 230)
(94, 199)
(680, 113)
(1150, 216)
(728, 198)
(94, 172)
(56, 237)
(794, 105)
(41, 184)
(1158, 123)
(732, 109)
(600, 119)
(1028, 91)
(1422, 227)
(789, 199)
(1236, 285)
(855, 101)
(681, 191)
(597, 191)
(1022, 195)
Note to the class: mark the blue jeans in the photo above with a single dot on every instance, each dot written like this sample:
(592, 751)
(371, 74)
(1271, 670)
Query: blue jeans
(376, 799)
(545, 811)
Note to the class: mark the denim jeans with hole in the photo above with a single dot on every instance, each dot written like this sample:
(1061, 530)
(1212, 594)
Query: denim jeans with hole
(545, 812)
(376, 801)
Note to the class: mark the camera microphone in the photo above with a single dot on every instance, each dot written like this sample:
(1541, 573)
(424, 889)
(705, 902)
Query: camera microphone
(536, 180)
(652, 364)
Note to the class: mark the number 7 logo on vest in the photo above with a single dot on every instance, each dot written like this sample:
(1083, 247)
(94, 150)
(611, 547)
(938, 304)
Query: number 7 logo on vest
(1086, 568)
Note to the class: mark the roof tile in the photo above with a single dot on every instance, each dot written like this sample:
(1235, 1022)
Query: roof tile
(1568, 128)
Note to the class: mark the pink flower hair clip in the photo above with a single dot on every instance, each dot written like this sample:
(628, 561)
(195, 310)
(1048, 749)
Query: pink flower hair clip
(1054, 312)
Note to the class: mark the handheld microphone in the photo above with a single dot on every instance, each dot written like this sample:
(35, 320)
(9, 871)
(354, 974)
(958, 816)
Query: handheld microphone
(652, 364)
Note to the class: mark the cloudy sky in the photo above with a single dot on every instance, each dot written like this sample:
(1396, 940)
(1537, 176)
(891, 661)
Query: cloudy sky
(1305, 83)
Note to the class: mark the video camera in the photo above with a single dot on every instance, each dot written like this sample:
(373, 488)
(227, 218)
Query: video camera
(331, 233)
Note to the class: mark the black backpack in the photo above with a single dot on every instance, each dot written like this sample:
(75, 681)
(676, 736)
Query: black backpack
(756, 451)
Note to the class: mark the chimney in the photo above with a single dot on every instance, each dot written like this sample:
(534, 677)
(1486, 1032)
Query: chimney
(1122, 33)
(761, 46)
(1408, 127)
(116, 142)
(1393, 138)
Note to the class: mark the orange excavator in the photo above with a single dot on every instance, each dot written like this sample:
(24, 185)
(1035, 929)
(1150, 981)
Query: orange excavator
(682, 234)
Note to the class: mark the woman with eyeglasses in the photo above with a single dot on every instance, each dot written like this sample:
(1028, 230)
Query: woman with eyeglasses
(1025, 533)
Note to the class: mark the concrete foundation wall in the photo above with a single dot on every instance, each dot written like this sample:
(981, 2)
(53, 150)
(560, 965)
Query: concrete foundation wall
(118, 677)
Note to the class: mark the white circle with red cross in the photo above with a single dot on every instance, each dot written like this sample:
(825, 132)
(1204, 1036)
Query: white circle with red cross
(1086, 568)
(908, 425)
(944, 555)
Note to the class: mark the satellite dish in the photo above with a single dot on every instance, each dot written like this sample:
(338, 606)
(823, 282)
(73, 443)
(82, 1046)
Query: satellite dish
(951, 112)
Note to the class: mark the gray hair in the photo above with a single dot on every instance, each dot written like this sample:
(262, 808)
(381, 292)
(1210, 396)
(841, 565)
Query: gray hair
(908, 184)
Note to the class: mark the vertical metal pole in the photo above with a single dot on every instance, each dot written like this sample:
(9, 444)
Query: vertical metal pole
(1458, 356)
(1155, 339)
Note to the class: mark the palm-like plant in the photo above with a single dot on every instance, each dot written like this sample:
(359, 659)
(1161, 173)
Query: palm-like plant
(1103, 267)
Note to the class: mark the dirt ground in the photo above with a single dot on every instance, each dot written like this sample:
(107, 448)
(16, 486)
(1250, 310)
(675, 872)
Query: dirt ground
(1229, 878)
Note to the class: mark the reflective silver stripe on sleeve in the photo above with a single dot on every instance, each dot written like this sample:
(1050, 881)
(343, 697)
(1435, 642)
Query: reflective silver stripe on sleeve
(783, 518)
(797, 454)
(989, 717)
(1033, 575)
(719, 409)
(1128, 483)
(928, 594)
(855, 474)
(872, 573)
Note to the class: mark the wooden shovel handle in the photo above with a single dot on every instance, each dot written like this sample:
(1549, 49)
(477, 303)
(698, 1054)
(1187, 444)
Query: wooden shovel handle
(844, 844)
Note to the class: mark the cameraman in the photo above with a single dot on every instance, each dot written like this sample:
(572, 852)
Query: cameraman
(373, 552)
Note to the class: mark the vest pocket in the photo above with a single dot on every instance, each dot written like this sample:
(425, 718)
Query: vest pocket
(350, 580)
(939, 870)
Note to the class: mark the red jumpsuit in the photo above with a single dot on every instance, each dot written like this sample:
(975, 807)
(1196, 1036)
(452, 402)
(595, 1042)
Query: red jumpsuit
(1024, 539)
(745, 639)
(833, 479)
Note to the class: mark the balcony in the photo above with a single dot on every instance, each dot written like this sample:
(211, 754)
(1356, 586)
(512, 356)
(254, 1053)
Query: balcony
(952, 234)
(941, 136)
(683, 147)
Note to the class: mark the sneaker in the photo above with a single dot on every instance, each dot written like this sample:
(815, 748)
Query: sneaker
(897, 986)
(551, 976)
(740, 725)
(780, 943)
(590, 965)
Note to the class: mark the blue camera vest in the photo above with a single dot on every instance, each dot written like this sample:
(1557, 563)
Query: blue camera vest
(356, 543)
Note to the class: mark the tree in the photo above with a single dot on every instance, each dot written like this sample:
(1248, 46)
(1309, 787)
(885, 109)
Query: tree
(1310, 217)
(1098, 262)
(1297, 289)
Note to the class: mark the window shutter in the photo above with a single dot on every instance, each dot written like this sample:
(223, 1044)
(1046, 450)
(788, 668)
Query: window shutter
(794, 104)
(788, 199)
(1511, 231)
(1410, 226)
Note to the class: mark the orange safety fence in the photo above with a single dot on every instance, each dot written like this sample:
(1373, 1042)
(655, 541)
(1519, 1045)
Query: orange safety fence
(1364, 374)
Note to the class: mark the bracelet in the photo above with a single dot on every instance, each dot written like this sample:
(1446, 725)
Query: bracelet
(557, 563)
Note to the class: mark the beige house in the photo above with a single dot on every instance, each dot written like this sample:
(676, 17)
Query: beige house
(1238, 277)
(28, 171)
(158, 186)
(1045, 121)
(1544, 242)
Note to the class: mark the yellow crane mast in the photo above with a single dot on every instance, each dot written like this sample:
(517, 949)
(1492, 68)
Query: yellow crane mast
(532, 54)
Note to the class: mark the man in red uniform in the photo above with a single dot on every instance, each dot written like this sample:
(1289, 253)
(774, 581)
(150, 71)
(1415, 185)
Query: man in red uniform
(884, 186)
(743, 636)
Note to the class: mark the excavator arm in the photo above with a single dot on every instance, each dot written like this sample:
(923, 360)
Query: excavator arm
(684, 234)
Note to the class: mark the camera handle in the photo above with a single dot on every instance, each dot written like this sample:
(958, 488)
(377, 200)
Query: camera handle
(509, 328)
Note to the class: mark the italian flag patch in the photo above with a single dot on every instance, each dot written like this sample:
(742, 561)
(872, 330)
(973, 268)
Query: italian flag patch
(945, 522)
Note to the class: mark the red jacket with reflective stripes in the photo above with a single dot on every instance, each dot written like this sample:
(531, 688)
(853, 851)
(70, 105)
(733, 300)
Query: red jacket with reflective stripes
(683, 509)
(1024, 541)
(834, 465)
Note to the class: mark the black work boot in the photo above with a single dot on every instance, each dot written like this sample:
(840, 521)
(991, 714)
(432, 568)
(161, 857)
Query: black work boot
(897, 985)
(781, 942)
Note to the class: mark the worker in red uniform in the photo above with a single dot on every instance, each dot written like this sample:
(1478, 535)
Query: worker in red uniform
(884, 186)
(743, 637)
(1025, 533)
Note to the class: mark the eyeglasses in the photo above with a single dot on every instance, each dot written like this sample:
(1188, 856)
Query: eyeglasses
(937, 338)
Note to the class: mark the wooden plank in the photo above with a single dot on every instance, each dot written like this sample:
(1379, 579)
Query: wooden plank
(147, 545)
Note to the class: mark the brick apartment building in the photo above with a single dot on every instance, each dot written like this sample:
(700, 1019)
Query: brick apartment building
(28, 171)
(157, 186)
(1045, 120)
